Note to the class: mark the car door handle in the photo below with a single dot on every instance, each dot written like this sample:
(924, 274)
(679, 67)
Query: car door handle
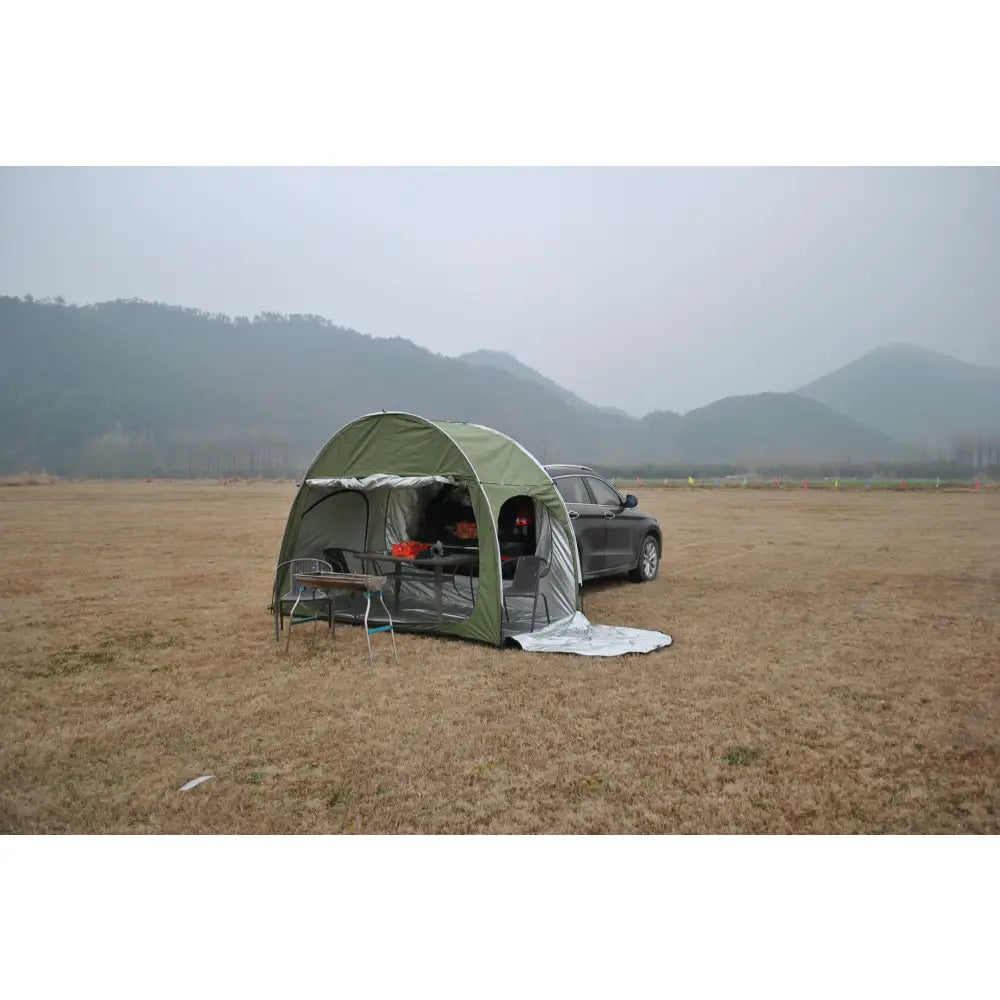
(609, 514)
(574, 514)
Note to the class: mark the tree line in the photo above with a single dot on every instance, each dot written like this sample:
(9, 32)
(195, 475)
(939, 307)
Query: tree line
(963, 464)
(188, 455)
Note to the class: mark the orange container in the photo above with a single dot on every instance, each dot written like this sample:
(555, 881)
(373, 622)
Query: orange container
(409, 549)
(466, 529)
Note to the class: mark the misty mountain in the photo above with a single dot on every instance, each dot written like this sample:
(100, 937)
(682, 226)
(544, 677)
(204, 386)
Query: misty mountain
(914, 395)
(508, 363)
(141, 379)
(766, 427)
(776, 428)
(762, 428)
(137, 388)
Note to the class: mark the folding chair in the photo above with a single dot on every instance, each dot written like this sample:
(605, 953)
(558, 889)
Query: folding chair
(298, 595)
(527, 583)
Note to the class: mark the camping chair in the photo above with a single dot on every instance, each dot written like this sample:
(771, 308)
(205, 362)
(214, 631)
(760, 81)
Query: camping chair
(527, 583)
(299, 595)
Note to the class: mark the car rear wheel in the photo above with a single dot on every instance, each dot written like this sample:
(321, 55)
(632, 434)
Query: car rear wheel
(649, 561)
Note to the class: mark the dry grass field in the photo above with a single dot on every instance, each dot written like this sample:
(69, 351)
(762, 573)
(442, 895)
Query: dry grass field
(836, 669)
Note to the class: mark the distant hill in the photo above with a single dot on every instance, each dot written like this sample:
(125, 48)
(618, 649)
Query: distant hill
(508, 363)
(914, 395)
(137, 388)
(776, 428)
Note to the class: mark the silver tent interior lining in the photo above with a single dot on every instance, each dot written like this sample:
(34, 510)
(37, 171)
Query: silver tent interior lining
(416, 601)
(378, 480)
(416, 605)
(385, 509)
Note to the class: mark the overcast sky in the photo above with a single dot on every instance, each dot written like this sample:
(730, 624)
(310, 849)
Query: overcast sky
(642, 288)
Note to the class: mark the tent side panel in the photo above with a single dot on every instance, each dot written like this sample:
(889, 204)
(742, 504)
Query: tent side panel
(556, 506)
(289, 540)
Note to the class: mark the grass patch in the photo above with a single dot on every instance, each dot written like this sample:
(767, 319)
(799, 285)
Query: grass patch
(741, 755)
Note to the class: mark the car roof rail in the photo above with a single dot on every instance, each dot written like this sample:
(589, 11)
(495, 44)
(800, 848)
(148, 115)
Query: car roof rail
(570, 468)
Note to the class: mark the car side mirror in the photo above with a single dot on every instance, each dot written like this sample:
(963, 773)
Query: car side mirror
(631, 501)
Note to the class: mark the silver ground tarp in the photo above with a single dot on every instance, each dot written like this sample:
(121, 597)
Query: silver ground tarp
(576, 634)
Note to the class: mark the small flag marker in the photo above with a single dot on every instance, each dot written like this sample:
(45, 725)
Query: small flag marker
(690, 480)
(775, 482)
(805, 484)
(836, 484)
(976, 487)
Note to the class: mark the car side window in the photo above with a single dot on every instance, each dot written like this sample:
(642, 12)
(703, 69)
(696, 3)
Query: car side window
(573, 489)
(604, 494)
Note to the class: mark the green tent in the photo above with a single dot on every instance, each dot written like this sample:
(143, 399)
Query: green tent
(373, 485)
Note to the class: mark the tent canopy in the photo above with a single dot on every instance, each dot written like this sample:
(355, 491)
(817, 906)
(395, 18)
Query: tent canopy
(374, 484)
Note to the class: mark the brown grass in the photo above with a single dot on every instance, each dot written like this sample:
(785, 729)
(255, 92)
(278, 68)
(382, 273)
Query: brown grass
(835, 670)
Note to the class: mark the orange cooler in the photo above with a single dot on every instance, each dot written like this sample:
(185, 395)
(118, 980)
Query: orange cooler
(409, 550)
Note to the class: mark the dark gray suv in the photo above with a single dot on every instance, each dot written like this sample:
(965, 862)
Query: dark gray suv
(612, 534)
